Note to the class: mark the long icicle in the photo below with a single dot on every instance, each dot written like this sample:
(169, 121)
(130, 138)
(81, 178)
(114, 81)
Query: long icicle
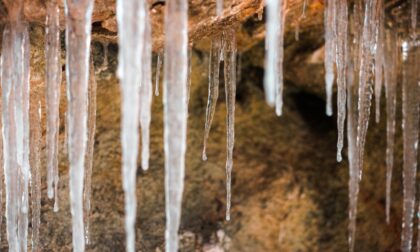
(410, 137)
(89, 151)
(330, 51)
(130, 17)
(53, 90)
(366, 50)
(175, 114)
(230, 91)
(9, 139)
(391, 75)
(35, 159)
(157, 77)
(273, 78)
(15, 115)
(146, 95)
(213, 90)
(341, 41)
(78, 32)
(379, 64)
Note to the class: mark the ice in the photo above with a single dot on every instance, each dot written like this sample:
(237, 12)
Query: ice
(89, 149)
(15, 117)
(175, 114)
(35, 161)
(52, 90)
(391, 76)
(78, 33)
(230, 91)
(341, 46)
(379, 64)
(131, 26)
(410, 137)
(219, 7)
(273, 78)
(146, 95)
(367, 52)
(158, 67)
(213, 90)
(330, 51)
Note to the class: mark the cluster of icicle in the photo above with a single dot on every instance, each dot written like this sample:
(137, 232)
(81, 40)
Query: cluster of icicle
(364, 54)
(21, 120)
(358, 50)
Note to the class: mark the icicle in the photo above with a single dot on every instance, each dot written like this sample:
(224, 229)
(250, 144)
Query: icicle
(410, 136)
(239, 68)
(330, 51)
(230, 91)
(352, 154)
(214, 67)
(273, 79)
(66, 134)
(219, 7)
(391, 75)
(414, 4)
(379, 64)
(53, 89)
(157, 78)
(35, 154)
(90, 148)
(1, 168)
(366, 50)
(341, 40)
(15, 104)
(146, 95)
(131, 42)
(78, 29)
(189, 73)
(175, 114)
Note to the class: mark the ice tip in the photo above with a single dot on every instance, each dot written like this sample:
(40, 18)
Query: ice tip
(55, 207)
(328, 111)
(339, 157)
(227, 217)
(50, 193)
(204, 156)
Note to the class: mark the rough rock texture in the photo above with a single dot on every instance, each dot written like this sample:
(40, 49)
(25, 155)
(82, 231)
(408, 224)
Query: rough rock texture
(289, 194)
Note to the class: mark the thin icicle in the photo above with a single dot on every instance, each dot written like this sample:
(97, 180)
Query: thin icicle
(341, 41)
(379, 63)
(131, 25)
(35, 154)
(273, 78)
(391, 75)
(414, 4)
(1, 168)
(175, 114)
(190, 51)
(410, 136)
(157, 78)
(367, 52)
(78, 32)
(53, 90)
(219, 7)
(213, 90)
(352, 154)
(330, 51)
(230, 91)
(146, 95)
(90, 148)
